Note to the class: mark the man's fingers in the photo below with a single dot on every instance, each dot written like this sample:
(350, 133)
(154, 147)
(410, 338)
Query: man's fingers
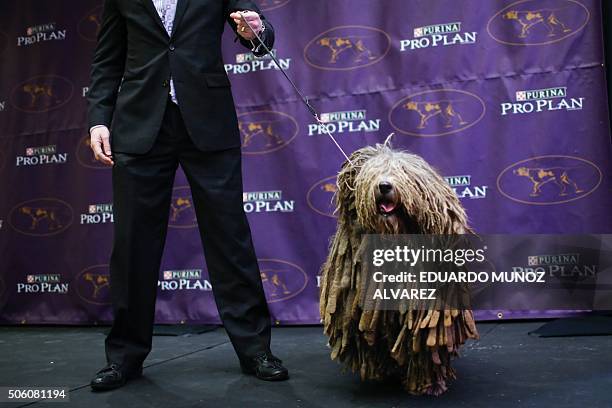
(248, 28)
(97, 146)
(108, 158)
(250, 16)
(247, 14)
(106, 146)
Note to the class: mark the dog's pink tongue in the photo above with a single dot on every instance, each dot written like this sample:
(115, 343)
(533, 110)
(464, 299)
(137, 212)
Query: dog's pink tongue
(387, 207)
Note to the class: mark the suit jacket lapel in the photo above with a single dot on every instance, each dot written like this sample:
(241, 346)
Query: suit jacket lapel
(180, 11)
(151, 9)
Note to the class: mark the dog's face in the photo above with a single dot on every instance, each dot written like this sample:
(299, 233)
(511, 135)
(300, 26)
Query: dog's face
(382, 192)
(393, 192)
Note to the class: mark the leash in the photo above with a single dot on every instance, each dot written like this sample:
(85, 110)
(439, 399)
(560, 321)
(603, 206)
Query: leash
(304, 99)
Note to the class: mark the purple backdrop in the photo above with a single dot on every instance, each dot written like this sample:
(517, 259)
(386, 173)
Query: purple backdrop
(489, 92)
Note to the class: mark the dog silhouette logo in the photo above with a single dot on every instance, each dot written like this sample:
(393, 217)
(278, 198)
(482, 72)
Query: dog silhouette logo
(275, 283)
(98, 283)
(538, 22)
(38, 214)
(93, 285)
(39, 94)
(539, 177)
(41, 217)
(547, 180)
(429, 110)
(329, 188)
(42, 94)
(281, 280)
(320, 197)
(529, 19)
(267, 5)
(182, 211)
(346, 48)
(339, 45)
(179, 204)
(437, 113)
(89, 25)
(264, 132)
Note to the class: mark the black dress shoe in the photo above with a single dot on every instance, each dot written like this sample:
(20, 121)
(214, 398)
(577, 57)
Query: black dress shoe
(112, 377)
(266, 367)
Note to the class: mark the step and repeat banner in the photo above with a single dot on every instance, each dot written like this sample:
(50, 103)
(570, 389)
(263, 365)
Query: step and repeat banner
(506, 98)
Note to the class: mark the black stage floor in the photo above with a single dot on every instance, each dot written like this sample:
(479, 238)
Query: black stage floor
(505, 368)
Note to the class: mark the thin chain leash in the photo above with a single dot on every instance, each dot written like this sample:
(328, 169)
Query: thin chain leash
(304, 99)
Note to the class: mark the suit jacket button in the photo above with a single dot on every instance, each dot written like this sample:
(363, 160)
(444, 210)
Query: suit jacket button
(165, 83)
(171, 47)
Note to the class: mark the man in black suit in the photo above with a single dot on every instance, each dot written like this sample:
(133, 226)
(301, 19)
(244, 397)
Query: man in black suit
(158, 83)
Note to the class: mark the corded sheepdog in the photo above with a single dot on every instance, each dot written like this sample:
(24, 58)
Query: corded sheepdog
(385, 191)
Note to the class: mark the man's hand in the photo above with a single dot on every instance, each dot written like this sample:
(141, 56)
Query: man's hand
(100, 144)
(243, 30)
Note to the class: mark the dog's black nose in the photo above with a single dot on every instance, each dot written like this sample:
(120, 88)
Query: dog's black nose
(385, 187)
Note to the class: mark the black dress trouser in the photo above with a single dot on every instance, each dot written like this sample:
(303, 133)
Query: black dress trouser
(142, 193)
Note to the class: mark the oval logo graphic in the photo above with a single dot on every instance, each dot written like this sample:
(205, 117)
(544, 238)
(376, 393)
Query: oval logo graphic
(320, 197)
(281, 280)
(267, 5)
(93, 285)
(89, 26)
(264, 132)
(85, 155)
(538, 22)
(42, 94)
(182, 210)
(437, 113)
(345, 48)
(41, 217)
(548, 180)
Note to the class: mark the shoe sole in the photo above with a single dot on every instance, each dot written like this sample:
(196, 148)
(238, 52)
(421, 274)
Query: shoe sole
(103, 387)
(278, 377)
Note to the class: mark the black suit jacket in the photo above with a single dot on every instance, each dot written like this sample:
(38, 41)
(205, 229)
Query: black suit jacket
(135, 58)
